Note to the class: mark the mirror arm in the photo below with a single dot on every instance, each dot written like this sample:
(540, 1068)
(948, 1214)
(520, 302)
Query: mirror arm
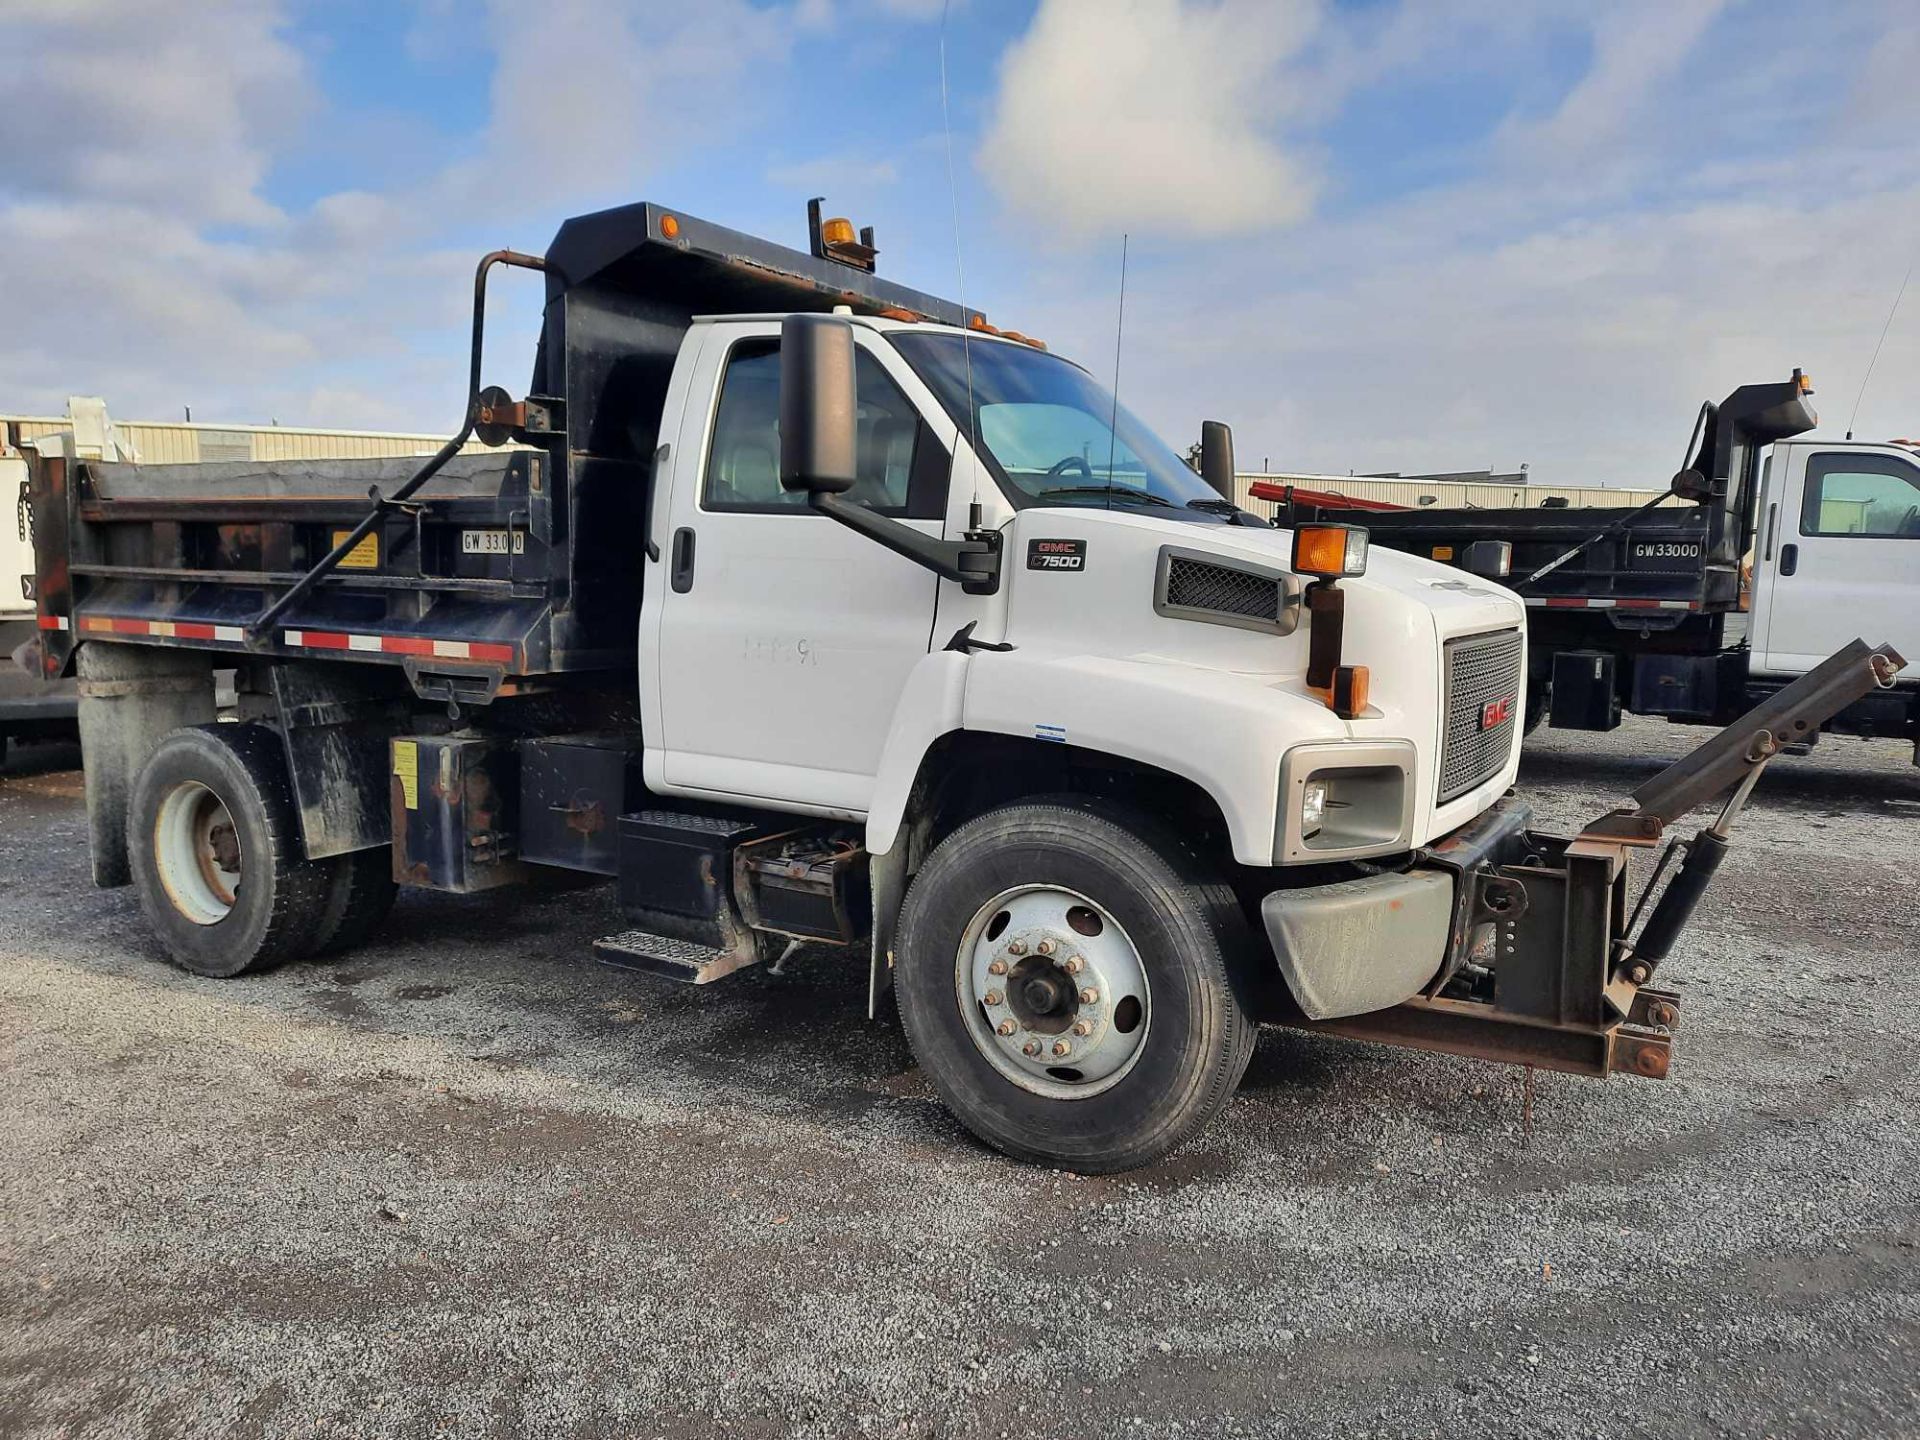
(972, 563)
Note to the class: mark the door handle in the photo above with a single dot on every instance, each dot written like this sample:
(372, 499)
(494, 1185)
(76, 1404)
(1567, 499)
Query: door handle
(681, 573)
(1789, 559)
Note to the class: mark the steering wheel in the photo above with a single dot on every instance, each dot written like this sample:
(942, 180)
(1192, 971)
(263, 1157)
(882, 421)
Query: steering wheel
(1070, 462)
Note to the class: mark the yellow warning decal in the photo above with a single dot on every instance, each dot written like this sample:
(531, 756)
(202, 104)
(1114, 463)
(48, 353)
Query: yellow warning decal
(406, 765)
(364, 556)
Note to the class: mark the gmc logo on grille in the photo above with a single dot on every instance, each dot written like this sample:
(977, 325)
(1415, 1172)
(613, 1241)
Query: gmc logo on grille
(1496, 712)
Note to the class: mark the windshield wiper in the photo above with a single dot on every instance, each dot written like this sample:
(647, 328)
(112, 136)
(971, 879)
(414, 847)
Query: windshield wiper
(1125, 492)
(1219, 505)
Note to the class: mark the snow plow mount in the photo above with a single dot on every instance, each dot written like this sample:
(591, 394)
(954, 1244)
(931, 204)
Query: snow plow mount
(1548, 966)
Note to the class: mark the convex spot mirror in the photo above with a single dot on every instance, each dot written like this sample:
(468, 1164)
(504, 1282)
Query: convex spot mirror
(818, 431)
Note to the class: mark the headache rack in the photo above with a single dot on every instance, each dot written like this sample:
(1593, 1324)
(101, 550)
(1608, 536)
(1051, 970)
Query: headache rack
(468, 568)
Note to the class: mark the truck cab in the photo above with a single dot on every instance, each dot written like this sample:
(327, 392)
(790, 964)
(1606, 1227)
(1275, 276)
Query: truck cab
(813, 610)
(1132, 620)
(1839, 549)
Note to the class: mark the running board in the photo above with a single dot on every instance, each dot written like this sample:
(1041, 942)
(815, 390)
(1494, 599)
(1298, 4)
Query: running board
(687, 961)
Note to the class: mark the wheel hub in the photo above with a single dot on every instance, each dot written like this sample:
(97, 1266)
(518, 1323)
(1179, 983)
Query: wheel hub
(197, 853)
(1055, 991)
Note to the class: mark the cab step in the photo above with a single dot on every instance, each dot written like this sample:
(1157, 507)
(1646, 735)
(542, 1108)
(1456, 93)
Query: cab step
(687, 961)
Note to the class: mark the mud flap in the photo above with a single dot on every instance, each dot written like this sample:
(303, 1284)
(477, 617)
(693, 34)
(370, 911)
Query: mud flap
(130, 698)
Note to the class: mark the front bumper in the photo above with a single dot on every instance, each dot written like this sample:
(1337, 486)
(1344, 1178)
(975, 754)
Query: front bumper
(1564, 981)
(1362, 945)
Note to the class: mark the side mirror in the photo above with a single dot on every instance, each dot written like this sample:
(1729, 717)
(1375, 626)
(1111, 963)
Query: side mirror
(819, 448)
(1216, 456)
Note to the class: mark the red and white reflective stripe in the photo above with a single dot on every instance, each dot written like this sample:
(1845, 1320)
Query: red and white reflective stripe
(161, 629)
(1573, 602)
(53, 622)
(482, 650)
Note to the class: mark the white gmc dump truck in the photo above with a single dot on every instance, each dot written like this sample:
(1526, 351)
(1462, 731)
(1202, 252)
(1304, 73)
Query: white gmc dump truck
(811, 609)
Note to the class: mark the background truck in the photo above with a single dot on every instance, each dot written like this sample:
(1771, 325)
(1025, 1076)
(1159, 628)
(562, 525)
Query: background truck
(815, 610)
(29, 709)
(1787, 546)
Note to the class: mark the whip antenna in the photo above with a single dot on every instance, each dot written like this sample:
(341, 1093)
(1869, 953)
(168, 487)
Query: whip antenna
(1119, 329)
(959, 263)
(1898, 296)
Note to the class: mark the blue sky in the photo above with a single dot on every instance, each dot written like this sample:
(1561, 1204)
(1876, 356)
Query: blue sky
(1384, 234)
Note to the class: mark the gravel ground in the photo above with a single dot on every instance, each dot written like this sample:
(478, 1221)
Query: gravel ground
(467, 1182)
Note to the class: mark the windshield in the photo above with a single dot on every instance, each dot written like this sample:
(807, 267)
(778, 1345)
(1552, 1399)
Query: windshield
(1047, 427)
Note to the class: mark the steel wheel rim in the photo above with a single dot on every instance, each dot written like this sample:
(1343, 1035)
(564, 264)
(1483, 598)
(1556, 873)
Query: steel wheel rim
(1040, 967)
(196, 850)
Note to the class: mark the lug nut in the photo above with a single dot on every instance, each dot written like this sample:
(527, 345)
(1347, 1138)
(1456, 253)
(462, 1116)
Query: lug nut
(1007, 1027)
(1045, 947)
(1089, 996)
(1074, 965)
(1032, 1047)
(994, 997)
(1018, 947)
(1061, 1047)
(1083, 1028)
(998, 967)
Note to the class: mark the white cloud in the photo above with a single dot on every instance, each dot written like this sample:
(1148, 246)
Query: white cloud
(137, 145)
(1551, 308)
(1149, 115)
(170, 104)
(1636, 50)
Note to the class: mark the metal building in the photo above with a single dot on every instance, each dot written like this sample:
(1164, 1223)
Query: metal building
(1446, 494)
(163, 442)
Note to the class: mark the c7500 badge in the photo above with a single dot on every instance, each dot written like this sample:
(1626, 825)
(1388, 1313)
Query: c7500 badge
(1056, 554)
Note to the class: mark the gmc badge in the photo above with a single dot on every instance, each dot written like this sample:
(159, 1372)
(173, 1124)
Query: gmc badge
(1056, 554)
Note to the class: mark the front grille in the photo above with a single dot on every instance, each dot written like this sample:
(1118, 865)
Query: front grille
(1196, 585)
(1481, 670)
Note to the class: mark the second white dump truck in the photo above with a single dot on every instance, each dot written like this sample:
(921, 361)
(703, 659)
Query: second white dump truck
(813, 609)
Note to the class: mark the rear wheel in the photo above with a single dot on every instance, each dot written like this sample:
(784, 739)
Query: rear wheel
(359, 895)
(1069, 979)
(215, 848)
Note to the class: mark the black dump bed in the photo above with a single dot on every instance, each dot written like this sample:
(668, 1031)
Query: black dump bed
(518, 561)
(1650, 558)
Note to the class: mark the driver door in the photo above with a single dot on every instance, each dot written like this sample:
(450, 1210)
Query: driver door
(785, 638)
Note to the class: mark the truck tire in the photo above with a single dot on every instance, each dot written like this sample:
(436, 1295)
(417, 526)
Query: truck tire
(360, 892)
(1074, 984)
(1537, 702)
(215, 852)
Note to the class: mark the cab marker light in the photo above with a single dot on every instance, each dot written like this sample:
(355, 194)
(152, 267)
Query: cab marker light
(1330, 552)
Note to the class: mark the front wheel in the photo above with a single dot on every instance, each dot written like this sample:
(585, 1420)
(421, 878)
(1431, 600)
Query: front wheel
(1070, 981)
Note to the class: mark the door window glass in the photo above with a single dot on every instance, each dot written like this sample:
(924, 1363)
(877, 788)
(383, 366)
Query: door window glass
(902, 469)
(1863, 495)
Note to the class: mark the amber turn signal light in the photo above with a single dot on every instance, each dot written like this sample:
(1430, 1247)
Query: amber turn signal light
(1330, 552)
(1347, 695)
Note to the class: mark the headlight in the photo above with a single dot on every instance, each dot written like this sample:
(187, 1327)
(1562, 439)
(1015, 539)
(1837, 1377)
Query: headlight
(1313, 806)
(1343, 800)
